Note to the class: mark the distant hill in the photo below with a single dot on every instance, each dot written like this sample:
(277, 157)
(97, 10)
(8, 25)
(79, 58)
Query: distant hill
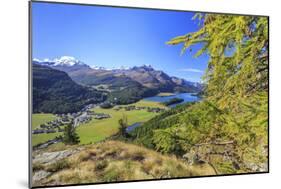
(126, 85)
(55, 92)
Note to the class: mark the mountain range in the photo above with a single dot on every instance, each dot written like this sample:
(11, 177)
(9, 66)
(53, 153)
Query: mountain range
(112, 79)
(66, 84)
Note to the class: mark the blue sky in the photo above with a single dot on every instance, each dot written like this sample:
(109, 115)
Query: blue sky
(115, 37)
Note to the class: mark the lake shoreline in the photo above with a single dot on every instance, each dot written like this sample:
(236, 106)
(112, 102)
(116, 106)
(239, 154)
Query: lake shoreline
(187, 97)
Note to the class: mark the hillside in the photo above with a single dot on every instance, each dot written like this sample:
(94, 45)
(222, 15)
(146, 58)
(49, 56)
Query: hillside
(108, 162)
(55, 92)
(188, 130)
(144, 135)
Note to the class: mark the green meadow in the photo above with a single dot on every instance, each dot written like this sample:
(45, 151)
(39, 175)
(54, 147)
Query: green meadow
(146, 103)
(97, 130)
(38, 119)
(40, 138)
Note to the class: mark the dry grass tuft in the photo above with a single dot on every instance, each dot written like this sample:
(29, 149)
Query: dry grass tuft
(117, 161)
(58, 165)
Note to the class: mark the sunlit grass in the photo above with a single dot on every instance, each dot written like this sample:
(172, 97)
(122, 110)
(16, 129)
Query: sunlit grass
(146, 103)
(97, 130)
(117, 161)
(40, 138)
(38, 119)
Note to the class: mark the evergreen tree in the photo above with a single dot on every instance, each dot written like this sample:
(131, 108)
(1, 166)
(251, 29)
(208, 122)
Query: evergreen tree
(123, 124)
(70, 136)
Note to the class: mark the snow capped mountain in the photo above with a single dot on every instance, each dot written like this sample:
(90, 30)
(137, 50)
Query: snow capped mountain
(144, 74)
(62, 61)
(114, 69)
(36, 60)
(67, 61)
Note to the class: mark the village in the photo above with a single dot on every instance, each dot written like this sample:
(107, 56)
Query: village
(85, 116)
(57, 125)
(132, 107)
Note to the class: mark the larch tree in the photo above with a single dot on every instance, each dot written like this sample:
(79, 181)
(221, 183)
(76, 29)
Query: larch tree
(236, 86)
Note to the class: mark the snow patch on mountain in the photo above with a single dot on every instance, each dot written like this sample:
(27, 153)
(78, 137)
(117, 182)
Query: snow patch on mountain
(62, 61)
(98, 67)
(66, 61)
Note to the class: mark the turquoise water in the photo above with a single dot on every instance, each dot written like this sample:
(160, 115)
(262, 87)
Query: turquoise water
(187, 97)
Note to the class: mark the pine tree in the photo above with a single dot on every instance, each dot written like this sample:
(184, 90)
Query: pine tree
(123, 124)
(70, 136)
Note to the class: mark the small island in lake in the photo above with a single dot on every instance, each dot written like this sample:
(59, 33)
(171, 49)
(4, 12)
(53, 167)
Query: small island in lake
(173, 101)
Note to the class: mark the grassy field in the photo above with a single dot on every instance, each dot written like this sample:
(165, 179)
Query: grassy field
(38, 119)
(40, 138)
(97, 130)
(147, 103)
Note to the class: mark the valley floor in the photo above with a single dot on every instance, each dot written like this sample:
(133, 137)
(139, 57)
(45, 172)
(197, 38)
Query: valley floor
(97, 130)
